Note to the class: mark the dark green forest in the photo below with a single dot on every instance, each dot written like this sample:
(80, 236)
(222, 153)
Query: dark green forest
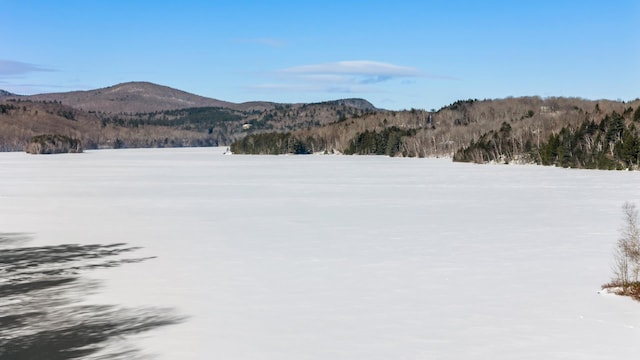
(566, 132)
(272, 143)
(385, 142)
(612, 143)
(192, 119)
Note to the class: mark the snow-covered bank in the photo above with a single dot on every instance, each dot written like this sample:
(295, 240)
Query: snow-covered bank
(339, 257)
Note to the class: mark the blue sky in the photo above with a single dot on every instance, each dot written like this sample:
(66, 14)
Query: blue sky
(397, 54)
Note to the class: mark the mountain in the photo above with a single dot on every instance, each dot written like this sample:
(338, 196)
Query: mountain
(526, 129)
(560, 131)
(22, 119)
(4, 93)
(140, 97)
(142, 114)
(361, 104)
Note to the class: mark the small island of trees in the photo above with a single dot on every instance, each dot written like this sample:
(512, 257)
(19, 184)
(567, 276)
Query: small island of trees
(53, 144)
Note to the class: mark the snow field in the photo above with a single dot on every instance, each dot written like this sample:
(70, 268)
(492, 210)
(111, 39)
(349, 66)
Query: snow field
(342, 257)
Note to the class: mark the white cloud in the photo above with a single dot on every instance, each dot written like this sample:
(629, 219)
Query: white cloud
(309, 87)
(12, 68)
(347, 77)
(344, 77)
(365, 68)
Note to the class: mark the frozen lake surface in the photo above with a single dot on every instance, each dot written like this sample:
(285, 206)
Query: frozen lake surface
(342, 257)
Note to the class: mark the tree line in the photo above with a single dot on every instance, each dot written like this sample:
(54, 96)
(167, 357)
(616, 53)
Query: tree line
(271, 143)
(611, 143)
(529, 129)
(370, 142)
(192, 119)
(385, 142)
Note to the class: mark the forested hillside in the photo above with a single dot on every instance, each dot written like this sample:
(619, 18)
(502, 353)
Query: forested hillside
(22, 118)
(570, 132)
(365, 133)
(479, 131)
(611, 143)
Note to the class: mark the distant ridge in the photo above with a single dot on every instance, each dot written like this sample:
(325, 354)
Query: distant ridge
(361, 104)
(140, 97)
(143, 114)
(6, 93)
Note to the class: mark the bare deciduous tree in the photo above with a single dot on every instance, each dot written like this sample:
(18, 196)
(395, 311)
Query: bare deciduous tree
(626, 254)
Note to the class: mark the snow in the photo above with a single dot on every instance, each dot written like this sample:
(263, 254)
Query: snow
(342, 257)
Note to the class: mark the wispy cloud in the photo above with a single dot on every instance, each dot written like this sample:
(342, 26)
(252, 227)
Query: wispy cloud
(365, 68)
(14, 68)
(315, 87)
(358, 76)
(24, 88)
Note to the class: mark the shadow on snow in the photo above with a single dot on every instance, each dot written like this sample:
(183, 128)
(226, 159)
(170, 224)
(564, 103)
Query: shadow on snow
(40, 312)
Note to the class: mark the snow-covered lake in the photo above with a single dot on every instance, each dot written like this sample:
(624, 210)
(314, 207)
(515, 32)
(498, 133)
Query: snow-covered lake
(342, 257)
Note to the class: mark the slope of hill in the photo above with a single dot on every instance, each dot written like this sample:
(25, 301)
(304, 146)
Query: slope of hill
(20, 120)
(141, 114)
(22, 117)
(4, 93)
(361, 104)
(530, 121)
(139, 97)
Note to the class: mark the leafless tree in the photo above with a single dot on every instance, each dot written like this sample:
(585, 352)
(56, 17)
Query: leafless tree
(626, 265)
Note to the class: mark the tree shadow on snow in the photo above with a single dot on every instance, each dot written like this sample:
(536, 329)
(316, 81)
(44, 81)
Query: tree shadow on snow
(40, 312)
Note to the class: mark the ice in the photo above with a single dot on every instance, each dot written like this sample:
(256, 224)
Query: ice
(342, 257)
